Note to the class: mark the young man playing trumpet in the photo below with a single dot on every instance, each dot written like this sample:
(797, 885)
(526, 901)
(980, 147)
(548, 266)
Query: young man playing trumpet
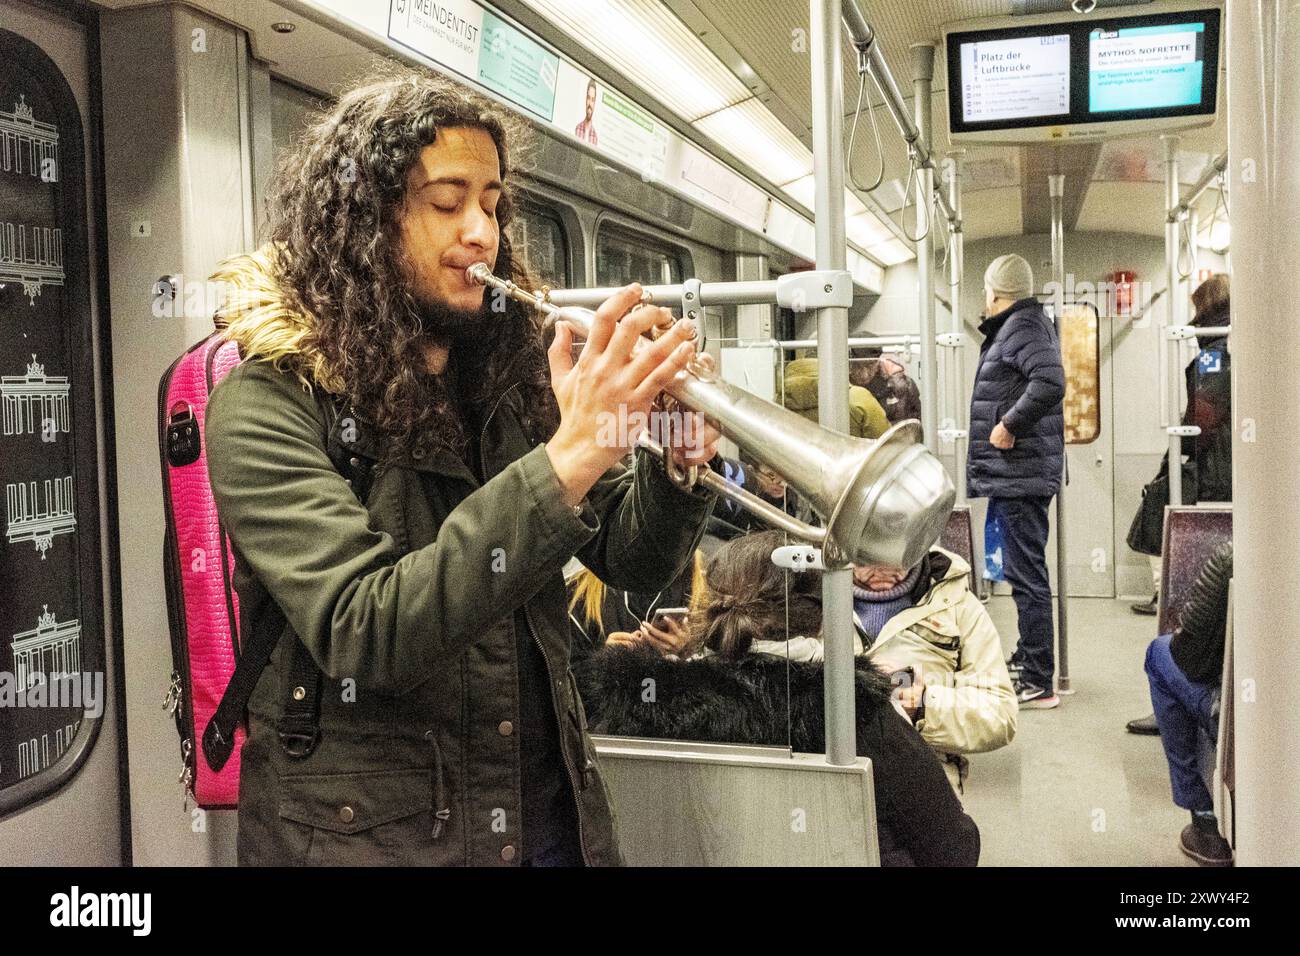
(433, 611)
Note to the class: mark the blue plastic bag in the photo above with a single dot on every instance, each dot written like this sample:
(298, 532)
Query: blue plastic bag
(994, 535)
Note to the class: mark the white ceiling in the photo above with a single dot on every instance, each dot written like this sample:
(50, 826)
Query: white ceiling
(1132, 170)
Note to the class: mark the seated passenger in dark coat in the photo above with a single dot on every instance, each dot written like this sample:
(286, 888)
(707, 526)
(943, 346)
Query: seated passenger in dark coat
(753, 682)
(1185, 669)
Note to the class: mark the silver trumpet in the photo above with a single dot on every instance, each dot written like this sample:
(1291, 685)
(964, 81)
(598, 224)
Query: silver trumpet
(885, 501)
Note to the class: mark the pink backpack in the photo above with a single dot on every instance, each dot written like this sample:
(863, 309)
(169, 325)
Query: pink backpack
(214, 666)
(198, 564)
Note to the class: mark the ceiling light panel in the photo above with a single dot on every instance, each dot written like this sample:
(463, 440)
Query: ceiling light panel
(646, 41)
(891, 253)
(756, 137)
(867, 231)
(804, 190)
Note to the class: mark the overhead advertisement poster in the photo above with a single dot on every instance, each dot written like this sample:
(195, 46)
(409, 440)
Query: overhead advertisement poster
(517, 67)
(598, 116)
(462, 36)
(449, 32)
(633, 136)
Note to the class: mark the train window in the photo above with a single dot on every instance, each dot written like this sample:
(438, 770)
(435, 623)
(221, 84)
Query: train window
(52, 674)
(623, 256)
(540, 233)
(1079, 354)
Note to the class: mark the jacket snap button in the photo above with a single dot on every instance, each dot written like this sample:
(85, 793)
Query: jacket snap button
(505, 728)
(354, 462)
(507, 853)
(417, 454)
(346, 814)
(299, 693)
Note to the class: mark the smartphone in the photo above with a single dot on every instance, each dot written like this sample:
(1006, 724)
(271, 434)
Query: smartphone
(661, 616)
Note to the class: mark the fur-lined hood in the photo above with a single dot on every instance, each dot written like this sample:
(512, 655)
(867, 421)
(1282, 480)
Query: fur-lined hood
(713, 700)
(258, 315)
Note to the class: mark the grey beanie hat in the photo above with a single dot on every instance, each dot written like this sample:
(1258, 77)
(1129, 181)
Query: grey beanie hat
(1010, 277)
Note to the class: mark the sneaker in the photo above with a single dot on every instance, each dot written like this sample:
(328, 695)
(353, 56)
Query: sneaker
(1206, 847)
(1151, 608)
(1033, 697)
(1146, 726)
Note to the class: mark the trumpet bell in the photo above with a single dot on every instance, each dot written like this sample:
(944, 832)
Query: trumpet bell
(895, 500)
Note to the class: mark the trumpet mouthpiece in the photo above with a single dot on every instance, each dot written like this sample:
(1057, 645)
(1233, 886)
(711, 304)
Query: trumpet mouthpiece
(478, 272)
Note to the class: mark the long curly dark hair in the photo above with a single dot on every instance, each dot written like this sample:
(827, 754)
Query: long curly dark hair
(334, 218)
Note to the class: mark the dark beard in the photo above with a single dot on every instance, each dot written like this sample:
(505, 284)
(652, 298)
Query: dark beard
(458, 329)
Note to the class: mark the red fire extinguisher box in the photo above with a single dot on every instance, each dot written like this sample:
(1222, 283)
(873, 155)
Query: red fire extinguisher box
(1123, 284)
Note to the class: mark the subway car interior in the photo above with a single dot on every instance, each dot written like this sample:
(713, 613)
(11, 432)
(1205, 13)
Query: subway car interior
(1001, 226)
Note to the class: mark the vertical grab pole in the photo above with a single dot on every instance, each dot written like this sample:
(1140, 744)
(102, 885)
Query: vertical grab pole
(833, 361)
(923, 74)
(1173, 308)
(1056, 190)
(957, 264)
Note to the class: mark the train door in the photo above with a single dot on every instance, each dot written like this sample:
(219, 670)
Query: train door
(1090, 446)
(61, 781)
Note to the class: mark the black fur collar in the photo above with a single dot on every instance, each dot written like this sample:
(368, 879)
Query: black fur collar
(633, 692)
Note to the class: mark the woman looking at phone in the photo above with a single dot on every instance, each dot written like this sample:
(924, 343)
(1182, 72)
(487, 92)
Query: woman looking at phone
(657, 619)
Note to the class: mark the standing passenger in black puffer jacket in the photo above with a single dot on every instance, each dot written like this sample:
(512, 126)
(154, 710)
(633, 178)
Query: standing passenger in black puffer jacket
(1017, 455)
(755, 682)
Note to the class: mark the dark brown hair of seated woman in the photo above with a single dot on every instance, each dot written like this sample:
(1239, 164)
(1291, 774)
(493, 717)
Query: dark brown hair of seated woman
(746, 598)
(1211, 301)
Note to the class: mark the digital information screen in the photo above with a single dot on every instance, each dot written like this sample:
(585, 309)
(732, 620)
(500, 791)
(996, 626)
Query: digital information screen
(1144, 68)
(1085, 78)
(1020, 78)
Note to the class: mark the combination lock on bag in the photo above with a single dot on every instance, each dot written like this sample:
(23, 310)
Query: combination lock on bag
(183, 440)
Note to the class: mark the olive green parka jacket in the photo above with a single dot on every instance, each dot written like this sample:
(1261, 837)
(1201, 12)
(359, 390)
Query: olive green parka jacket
(407, 604)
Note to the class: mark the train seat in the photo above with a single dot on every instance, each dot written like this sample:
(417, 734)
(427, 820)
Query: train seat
(959, 538)
(701, 804)
(1191, 534)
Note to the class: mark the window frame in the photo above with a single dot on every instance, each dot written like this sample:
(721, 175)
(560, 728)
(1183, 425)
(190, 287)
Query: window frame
(535, 205)
(95, 576)
(1096, 342)
(635, 233)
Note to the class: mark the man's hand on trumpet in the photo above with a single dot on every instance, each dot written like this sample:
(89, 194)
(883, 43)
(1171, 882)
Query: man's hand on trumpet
(696, 441)
(610, 383)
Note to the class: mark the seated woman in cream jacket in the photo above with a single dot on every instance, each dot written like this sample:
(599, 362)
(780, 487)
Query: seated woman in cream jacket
(961, 700)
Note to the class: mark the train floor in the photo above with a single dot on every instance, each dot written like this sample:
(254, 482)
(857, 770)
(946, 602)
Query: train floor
(1074, 788)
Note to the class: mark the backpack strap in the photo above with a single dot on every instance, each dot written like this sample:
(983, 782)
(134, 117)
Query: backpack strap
(219, 736)
(299, 723)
